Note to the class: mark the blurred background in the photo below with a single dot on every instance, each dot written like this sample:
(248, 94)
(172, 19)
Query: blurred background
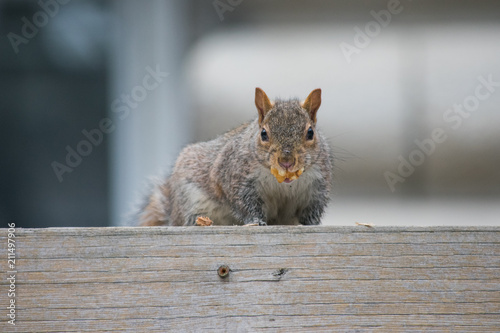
(97, 97)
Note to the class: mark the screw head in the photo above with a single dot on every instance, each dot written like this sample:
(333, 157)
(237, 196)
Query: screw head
(223, 271)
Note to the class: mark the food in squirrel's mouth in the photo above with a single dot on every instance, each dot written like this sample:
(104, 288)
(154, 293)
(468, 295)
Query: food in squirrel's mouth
(282, 176)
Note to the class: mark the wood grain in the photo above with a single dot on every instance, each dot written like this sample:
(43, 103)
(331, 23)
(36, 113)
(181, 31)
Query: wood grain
(289, 279)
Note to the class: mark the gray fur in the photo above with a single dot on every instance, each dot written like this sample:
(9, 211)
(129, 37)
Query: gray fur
(229, 179)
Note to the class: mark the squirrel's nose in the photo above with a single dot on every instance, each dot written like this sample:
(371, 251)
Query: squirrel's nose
(286, 163)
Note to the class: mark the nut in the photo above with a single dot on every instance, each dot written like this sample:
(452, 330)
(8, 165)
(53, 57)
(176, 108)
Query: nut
(281, 175)
(204, 221)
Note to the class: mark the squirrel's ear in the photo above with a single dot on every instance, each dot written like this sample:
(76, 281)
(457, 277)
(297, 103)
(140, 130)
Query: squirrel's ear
(262, 103)
(312, 103)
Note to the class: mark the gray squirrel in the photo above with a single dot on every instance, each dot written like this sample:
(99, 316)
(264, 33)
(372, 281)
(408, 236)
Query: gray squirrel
(275, 170)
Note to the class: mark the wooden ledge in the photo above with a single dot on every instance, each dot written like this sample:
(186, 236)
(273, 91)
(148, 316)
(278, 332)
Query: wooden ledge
(274, 279)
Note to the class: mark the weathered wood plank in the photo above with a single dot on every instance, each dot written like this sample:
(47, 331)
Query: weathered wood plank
(282, 279)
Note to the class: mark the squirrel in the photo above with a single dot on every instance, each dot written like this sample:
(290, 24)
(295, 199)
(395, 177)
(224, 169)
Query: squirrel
(275, 170)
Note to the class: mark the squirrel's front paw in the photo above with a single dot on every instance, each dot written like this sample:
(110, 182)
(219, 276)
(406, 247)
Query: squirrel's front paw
(255, 223)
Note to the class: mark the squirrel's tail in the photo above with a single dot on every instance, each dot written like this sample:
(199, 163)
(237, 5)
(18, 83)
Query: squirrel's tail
(155, 210)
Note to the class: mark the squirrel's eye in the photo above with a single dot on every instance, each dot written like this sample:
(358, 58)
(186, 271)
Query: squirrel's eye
(263, 135)
(310, 134)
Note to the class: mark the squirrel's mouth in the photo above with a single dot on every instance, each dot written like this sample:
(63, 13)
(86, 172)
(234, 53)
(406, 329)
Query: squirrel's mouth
(285, 175)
